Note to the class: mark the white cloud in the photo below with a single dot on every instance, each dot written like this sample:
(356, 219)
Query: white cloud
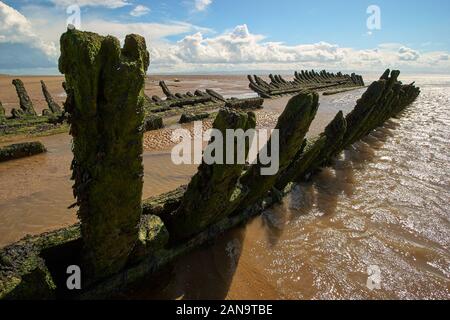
(15, 28)
(408, 54)
(139, 10)
(112, 4)
(239, 49)
(202, 5)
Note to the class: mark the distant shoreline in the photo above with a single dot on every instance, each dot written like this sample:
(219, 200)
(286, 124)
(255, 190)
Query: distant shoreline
(227, 73)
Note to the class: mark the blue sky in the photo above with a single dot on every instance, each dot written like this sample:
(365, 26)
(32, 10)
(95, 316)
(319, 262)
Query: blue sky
(228, 35)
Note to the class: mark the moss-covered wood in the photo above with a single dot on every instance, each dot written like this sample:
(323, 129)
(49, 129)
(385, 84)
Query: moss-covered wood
(2, 114)
(25, 121)
(191, 117)
(304, 80)
(243, 104)
(293, 124)
(21, 150)
(212, 191)
(106, 118)
(24, 271)
(383, 99)
(163, 204)
(316, 153)
(197, 102)
(153, 122)
(52, 105)
(26, 105)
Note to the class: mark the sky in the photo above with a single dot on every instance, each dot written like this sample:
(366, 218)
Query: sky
(238, 36)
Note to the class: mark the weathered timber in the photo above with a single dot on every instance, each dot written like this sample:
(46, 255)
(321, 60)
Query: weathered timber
(382, 100)
(293, 124)
(199, 102)
(152, 237)
(2, 113)
(106, 118)
(21, 150)
(336, 91)
(24, 120)
(316, 153)
(153, 122)
(304, 80)
(25, 102)
(52, 105)
(215, 95)
(243, 104)
(211, 192)
(31, 125)
(24, 271)
(163, 204)
(166, 90)
(191, 117)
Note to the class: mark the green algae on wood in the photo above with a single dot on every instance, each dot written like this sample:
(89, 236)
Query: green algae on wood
(26, 105)
(383, 99)
(152, 237)
(250, 103)
(2, 113)
(191, 117)
(293, 124)
(211, 191)
(153, 122)
(24, 273)
(317, 152)
(52, 105)
(21, 150)
(163, 204)
(106, 118)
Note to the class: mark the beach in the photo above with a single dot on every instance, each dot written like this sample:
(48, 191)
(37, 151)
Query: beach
(385, 203)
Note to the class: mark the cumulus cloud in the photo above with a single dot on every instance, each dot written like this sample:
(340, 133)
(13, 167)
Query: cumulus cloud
(112, 4)
(15, 28)
(240, 46)
(408, 54)
(239, 49)
(139, 10)
(202, 5)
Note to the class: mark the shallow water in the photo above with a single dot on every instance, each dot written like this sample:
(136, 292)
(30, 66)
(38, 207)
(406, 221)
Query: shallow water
(384, 205)
(37, 191)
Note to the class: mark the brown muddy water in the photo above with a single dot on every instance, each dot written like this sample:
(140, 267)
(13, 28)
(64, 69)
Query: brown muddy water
(384, 207)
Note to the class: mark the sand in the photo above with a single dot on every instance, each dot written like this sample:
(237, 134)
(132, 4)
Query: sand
(226, 85)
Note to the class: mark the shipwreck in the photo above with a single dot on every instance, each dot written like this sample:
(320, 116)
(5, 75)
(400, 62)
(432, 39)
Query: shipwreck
(305, 80)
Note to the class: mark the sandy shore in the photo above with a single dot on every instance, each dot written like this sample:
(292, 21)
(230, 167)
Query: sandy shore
(161, 140)
(226, 85)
